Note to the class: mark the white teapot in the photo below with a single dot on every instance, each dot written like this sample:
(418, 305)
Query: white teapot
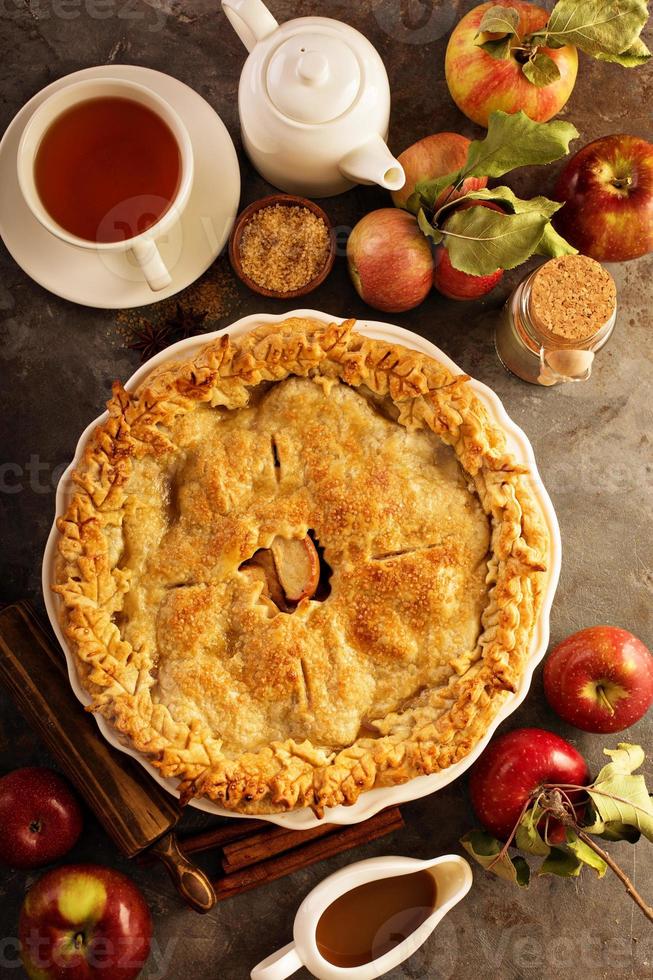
(314, 103)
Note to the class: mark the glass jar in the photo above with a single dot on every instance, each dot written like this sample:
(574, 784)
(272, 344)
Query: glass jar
(556, 320)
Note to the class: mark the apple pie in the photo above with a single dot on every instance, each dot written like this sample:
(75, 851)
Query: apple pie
(299, 566)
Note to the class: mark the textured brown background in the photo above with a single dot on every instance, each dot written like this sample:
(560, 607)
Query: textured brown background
(592, 444)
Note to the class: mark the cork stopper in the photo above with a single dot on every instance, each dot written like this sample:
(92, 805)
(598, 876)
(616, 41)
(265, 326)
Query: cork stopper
(572, 298)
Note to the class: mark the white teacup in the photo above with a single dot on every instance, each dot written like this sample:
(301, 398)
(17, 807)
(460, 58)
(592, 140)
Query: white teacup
(142, 246)
(453, 878)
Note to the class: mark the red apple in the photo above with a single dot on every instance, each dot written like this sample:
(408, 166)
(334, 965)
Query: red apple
(84, 922)
(431, 157)
(600, 679)
(390, 260)
(512, 767)
(479, 83)
(607, 190)
(40, 817)
(453, 282)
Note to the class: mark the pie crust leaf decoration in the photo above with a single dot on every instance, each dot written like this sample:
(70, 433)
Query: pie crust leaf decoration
(198, 487)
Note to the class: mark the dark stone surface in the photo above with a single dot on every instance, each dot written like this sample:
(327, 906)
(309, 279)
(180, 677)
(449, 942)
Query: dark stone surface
(591, 442)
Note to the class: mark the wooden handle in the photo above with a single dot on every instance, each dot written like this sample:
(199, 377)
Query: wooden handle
(189, 880)
(131, 807)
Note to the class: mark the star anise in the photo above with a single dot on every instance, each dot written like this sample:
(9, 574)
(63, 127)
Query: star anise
(186, 322)
(149, 338)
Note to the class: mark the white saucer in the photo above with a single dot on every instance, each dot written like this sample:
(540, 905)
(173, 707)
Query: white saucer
(114, 281)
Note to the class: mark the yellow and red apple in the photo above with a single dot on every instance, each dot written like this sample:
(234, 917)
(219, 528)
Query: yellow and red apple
(390, 260)
(479, 83)
(85, 922)
(435, 156)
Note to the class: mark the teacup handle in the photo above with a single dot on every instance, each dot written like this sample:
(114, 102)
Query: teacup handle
(281, 964)
(152, 265)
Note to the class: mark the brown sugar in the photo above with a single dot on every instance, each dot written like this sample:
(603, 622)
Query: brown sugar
(284, 247)
(572, 297)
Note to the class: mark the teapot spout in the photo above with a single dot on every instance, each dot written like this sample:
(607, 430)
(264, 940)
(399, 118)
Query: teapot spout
(373, 163)
(251, 20)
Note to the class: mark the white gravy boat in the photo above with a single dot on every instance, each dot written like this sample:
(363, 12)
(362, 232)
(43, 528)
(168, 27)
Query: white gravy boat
(453, 879)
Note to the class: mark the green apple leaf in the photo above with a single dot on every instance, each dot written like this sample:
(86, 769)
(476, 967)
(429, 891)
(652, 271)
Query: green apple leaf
(619, 796)
(427, 228)
(484, 848)
(542, 40)
(507, 198)
(541, 70)
(597, 26)
(480, 241)
(528, 836)
(553, 245)
(563, 863)
(584, 853)
(616, 831)
(427, 192)
(499, 20)
(513, 140)
(637, 54)
(498, 48)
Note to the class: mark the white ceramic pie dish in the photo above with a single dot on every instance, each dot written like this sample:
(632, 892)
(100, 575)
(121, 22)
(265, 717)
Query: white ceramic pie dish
(377, 799)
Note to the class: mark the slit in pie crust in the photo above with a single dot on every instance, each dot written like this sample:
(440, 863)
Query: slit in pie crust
(436, 547)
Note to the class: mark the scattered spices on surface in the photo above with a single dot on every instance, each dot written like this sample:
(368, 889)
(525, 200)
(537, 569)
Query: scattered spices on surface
(284, 247)
(187, 321)
(196, 309)
(572, 297)
(149, 338)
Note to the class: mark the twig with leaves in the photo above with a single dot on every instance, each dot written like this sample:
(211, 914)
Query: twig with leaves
(480, 240)
(616, 806)
(608, 30)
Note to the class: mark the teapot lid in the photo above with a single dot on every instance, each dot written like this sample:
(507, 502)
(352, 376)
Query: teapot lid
(313, 77)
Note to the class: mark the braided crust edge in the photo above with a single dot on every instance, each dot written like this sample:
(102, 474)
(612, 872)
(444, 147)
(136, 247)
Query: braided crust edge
(438, 730)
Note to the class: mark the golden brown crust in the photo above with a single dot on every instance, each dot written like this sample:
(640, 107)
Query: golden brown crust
(428, 732)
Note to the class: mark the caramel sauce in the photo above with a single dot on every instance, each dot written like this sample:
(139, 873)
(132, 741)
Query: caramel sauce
(107, 169)
(370, 920)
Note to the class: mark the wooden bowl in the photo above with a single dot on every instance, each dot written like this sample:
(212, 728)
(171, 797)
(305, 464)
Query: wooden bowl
(286, 200)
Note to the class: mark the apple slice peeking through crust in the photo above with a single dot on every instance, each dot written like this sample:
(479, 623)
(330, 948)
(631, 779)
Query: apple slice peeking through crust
(298, 566)
(289, 570)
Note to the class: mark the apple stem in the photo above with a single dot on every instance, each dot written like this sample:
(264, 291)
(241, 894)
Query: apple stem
(603, 698)
(504, 850)
(620, 873)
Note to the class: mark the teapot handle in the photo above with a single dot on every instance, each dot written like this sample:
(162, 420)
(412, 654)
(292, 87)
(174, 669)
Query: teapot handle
(251, 20)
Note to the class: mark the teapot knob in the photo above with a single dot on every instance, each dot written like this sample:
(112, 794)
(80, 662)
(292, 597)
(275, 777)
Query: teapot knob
(313, 67)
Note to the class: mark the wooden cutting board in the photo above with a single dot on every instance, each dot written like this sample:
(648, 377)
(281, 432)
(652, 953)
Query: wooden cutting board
(133, 809)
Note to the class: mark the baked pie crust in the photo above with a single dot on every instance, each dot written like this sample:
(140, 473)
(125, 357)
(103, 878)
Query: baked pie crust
(437, 549)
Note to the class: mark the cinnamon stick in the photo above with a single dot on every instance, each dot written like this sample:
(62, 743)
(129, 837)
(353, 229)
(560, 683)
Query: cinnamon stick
(221, 835)
(302, 857)
(260, 847)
